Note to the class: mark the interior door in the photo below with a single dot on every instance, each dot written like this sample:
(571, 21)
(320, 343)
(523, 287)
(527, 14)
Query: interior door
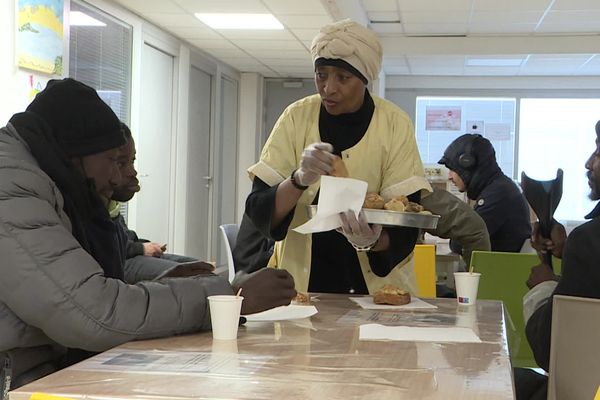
(200, 180)
(154, 145)
(226, 175)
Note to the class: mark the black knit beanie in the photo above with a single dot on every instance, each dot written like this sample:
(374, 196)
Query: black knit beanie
(81, 122)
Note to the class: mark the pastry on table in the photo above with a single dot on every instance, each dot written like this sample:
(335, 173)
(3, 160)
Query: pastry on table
(373, 200)
(301, 298)
(392, 295)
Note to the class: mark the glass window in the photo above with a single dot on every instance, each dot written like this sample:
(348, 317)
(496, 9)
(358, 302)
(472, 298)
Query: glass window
(100, 55)
(440, 120)
(559, 133)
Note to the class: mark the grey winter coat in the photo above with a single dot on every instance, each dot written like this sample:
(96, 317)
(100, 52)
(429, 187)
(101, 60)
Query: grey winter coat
(53, 294)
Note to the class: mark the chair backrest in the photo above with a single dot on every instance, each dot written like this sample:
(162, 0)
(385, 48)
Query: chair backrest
(503, 277)
(229, 233)
(575, 348)
(425, 269)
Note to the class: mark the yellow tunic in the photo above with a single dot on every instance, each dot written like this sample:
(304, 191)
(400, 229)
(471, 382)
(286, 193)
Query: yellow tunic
(386, 158)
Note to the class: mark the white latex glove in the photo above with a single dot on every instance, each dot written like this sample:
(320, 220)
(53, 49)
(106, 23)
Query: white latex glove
(317, 160)
(357, 230)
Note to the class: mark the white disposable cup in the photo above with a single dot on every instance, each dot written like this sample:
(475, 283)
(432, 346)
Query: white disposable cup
(466, 284)
(225, 316)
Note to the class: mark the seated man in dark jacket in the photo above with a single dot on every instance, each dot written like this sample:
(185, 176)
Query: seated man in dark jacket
(580, 277)
(143, 259)
(471, 160)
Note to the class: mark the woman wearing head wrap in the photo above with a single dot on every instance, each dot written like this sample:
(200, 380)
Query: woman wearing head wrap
(376, 141)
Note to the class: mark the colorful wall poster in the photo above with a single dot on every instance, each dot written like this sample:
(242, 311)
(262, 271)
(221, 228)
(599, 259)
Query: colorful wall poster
(40, 35)
(442, 118)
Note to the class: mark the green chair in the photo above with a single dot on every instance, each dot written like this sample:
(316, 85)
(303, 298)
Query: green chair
(503, 277)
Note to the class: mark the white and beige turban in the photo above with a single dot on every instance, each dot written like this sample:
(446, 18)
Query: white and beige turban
(351, 42)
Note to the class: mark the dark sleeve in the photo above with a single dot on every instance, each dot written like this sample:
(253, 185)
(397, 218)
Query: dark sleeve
(259, 207)
(134, 245)
(495, 208)
(580, 277)
(252, 250)
(402, 243)
(134, 249)
(455, 246)
(132, 235)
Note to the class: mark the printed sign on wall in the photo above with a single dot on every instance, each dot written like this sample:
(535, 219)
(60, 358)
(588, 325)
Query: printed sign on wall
(442, 118)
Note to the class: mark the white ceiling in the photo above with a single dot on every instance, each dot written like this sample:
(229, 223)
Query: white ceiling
(420, 37)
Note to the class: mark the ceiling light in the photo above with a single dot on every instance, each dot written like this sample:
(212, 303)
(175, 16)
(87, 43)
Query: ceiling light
(494, 62)
(240, 21)
(77, 18)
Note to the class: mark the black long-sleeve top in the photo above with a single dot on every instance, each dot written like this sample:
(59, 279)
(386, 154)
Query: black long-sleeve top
(580, 277)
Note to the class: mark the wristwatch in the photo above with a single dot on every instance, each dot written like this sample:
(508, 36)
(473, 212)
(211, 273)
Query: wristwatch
(295, 182)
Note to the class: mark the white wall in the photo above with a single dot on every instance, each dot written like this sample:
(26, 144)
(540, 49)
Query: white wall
(15, 89)
(250, 117)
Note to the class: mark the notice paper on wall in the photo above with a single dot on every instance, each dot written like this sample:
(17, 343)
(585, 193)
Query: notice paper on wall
(497, 131)
(475, 127)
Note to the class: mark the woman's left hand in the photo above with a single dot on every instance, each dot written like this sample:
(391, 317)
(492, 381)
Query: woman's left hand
(357, 230)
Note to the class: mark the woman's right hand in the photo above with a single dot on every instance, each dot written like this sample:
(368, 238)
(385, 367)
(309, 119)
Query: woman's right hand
(554, 244)
(317, 160)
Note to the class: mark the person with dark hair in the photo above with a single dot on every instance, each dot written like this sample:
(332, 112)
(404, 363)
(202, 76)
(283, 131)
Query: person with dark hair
(61, 290)
(471, 160)
(144, 260)
(376, 141)
(580, 252)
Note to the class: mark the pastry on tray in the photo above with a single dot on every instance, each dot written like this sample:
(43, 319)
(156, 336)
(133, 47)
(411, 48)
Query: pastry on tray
(301, 298)
(398, 203)
(373, 200)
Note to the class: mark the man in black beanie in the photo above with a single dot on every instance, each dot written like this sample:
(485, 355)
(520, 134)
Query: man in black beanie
(60, 288)
(471, 160)
(79, 152)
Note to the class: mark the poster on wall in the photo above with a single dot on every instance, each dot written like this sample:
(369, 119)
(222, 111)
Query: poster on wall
(475, 127)
(442, 118)
(40, 35)
(497, 131)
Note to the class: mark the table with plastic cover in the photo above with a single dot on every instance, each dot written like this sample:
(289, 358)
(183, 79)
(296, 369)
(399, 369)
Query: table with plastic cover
(320, 357)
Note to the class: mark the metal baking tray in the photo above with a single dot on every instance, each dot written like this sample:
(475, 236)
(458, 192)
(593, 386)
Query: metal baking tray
(393, 218)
